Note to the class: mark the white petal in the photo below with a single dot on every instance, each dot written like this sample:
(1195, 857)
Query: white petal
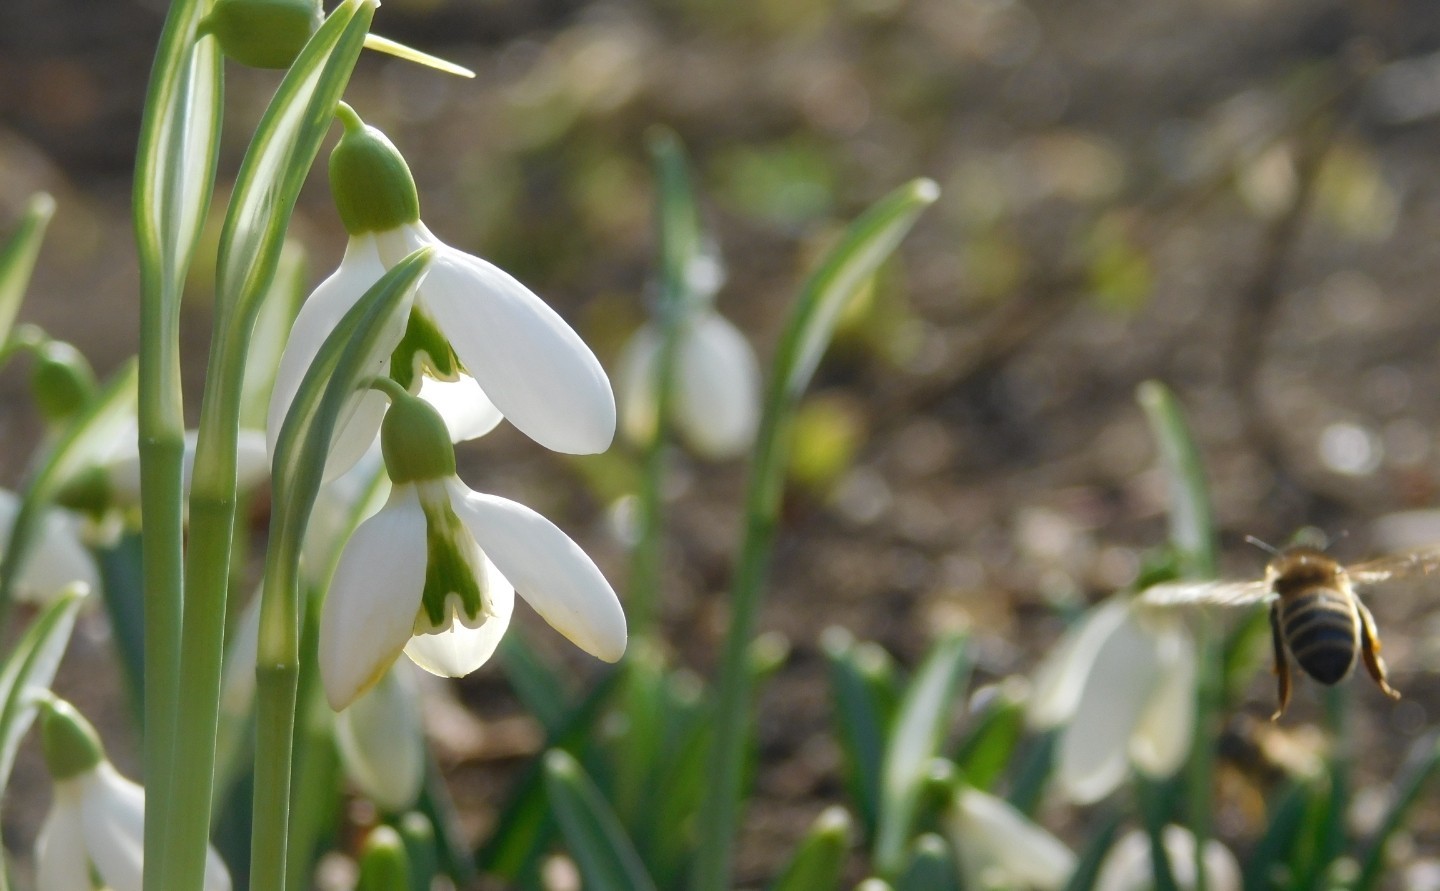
(1060, 679)
(468, 412)
(61, 863)
(319, 315)
(991, 833)
(1094, 748)
(113, 814)
(252, 465)
(357, 431)
(717, 397)
(382, 742)
(58, 558)
(237, 681)
(459, 650)
(370, 609)
(1128, 868)
(1163, 735)
(635, 385)
(531, 364)
(252, 459)
(547, 569)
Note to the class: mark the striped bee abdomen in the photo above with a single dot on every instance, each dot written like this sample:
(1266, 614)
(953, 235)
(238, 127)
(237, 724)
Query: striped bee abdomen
(1323, 633)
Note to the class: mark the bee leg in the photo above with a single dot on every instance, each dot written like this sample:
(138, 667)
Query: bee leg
(1282, 665)
(1370, 650)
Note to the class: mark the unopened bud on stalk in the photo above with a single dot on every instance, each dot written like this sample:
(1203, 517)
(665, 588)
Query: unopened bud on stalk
(262, 33)
(62, 382)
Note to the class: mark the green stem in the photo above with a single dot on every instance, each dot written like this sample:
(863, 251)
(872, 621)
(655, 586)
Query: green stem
(1200, 780)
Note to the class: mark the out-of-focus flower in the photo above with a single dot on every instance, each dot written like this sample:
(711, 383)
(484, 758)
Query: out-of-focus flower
(715, 400)
(382, 742)
(1122, 681)
(1000, 847)
(59, 560)
(431, 573)
(471, 325)
(1128, 866)
(97, 822)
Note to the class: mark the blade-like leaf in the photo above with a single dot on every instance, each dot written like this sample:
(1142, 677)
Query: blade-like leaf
(92, 435)
(28, 670)
(539, 688)
(860, 682)
(281, 154)
(604, 854)
(819, 861)
(914, 742)
(1087, 870)
(1191, 528)
(17, 260)
(990, 747)
(930, 868)
(1422, 764)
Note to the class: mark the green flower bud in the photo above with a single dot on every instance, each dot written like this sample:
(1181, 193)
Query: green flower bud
(262, 33)
(371, 183)
(70, 743)
(384, 865)
(62, 382)
(415, 441)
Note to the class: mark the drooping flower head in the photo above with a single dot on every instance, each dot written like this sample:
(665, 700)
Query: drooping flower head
(500, 349)
(434, 573)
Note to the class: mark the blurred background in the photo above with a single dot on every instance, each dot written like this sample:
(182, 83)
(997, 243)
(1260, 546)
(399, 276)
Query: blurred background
(1238, 198)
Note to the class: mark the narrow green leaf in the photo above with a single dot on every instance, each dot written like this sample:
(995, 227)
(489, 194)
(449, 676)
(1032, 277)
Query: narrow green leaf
(1191, 527)
(1420, 766)
(272, 328)
(525, 825)
(286, 142)
(450, 848)
(125, 605)
(92, 435)
(179, 142)
(989, 748)
(1272, 859)
(539, 688)
(1087, 870)
(17, 259)
(1031, 775)
(28, 671)
(604, 854)
(819, 861)
(914, 741)
(931, 867)
(866, 244)
(858, 674)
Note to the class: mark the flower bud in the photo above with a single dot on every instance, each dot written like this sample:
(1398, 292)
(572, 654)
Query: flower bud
(62, 381)
(384, 865)
(262, 33)
(370, 181)
(70, 743)
(415, 441)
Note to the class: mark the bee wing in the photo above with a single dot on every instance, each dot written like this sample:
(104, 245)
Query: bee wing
(1206, 593)
(1408, 563)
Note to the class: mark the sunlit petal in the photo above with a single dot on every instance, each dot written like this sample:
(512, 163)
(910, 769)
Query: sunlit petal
(1060, 679)
(468, 412)
(369, 612)
(382, 743)
(318, 316)
(459, 650)
(58, 558)
(1164, 732)
(717, 398)
(533, 366)
(61, 863)
(549, 570)
(991, 834)
(113, 813)
(1094, 748)
(635, 385)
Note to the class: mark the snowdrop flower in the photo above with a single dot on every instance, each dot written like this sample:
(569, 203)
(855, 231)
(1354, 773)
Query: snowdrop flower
(1122, 682)
(434, 572)
(715, 401)
(471, 325)
(382, 742)
(97, 821)
(1128, 866)
(1001, 847)
(58, 561)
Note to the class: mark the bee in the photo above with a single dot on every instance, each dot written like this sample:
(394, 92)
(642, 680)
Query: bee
(1315, 615)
